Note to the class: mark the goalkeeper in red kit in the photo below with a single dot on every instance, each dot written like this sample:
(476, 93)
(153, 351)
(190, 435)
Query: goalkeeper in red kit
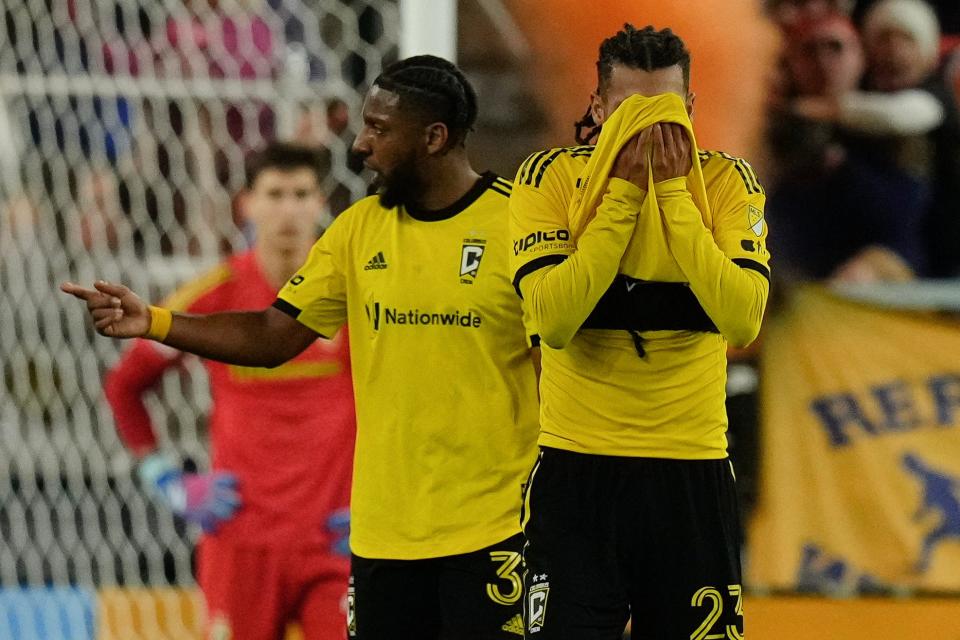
(273, 507)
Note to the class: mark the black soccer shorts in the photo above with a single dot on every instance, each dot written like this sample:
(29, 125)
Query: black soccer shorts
(613, 537)
(473, 596)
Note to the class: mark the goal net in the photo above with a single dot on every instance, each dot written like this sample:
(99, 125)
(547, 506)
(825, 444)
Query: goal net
(124, 125)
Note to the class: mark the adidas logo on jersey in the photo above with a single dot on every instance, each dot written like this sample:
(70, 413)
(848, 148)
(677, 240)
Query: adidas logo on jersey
(514, 625)
(376, 262)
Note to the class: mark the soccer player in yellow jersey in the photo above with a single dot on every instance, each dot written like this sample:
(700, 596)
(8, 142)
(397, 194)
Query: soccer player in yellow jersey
(631, 509)
(445, 390)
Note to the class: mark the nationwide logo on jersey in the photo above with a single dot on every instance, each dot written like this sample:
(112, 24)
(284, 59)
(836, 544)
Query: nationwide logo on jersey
(376, 262)
(381, 315)
(755, 219)
(537, 603)
(470, 257)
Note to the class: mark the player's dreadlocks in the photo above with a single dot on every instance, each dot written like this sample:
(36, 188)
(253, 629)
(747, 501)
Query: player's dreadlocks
(437, 88)
(646, 49)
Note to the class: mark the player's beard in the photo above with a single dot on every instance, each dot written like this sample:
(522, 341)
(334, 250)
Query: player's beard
(402, 186)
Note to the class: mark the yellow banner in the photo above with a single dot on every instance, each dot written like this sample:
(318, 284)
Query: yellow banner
(860, 470)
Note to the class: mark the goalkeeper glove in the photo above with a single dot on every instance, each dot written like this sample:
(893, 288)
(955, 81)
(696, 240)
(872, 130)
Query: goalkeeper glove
(207, 499)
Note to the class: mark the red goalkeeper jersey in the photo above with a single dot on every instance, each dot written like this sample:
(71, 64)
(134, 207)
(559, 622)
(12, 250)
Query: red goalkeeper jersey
(287, 433)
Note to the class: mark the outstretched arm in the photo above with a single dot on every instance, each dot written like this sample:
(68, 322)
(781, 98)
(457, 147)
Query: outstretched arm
(264, 338)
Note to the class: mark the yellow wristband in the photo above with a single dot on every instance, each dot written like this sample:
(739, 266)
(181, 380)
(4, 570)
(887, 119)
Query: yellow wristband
(160, 321)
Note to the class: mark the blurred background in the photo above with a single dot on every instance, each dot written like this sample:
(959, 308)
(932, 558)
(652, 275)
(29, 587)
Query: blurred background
(124, 125)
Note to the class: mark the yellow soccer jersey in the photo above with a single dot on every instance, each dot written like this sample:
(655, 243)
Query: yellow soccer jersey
(445, 390)
(645, 374)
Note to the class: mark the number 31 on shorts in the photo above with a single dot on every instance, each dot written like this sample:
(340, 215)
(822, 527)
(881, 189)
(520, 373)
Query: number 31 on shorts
(507, 571)
(711, 597)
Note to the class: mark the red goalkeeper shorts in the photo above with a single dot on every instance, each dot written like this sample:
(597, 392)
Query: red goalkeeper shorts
(252, 593)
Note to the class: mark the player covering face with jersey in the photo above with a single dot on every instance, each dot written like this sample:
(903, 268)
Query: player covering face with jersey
(631, 509)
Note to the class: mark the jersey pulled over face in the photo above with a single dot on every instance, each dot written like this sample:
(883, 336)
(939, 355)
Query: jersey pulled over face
(626, 81)
(598, 394)
(446, 394)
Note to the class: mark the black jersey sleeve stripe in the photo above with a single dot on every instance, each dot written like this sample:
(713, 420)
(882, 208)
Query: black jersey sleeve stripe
(531, 169)
(287, 308)
(637, 305)
(534, 265)
(753, 265)
(543, 167)
(753, 186)
(746, 172)
(753, 176)
(743, 176)
(500, 190)
(526, 165)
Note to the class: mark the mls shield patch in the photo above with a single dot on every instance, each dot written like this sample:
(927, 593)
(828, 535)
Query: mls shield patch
(755, 220)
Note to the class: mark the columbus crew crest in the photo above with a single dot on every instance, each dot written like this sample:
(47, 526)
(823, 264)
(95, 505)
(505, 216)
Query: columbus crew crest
(537, 604)
(470, 256)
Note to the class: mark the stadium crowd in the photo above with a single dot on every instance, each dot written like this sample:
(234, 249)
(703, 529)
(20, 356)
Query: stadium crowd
(864, 133)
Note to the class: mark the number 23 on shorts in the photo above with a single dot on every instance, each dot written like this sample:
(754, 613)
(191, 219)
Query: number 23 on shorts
(712, 598)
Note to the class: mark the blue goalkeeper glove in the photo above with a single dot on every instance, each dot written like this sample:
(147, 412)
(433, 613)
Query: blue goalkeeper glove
(207, 499)
(339, 525)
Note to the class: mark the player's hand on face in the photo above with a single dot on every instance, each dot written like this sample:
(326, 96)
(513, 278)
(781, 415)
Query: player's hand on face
(116, 311)
(671, 151)
(633, 161)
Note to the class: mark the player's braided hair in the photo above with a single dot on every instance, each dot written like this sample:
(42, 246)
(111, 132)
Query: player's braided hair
(437, 88)
(646, 49)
